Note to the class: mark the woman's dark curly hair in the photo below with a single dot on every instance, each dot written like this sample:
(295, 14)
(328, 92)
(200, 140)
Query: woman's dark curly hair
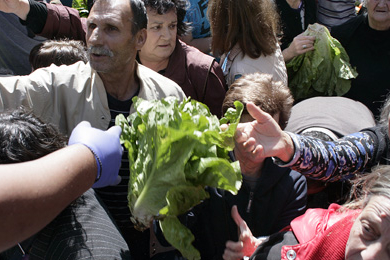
(165, 6)
(24, 137)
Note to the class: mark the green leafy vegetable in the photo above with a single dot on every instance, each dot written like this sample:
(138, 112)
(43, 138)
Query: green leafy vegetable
(175, 150)
(81, 6)
(324, 71)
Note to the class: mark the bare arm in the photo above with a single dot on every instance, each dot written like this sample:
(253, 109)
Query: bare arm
(61, 21)
(318, 159)
(19, 7)
(34, 193)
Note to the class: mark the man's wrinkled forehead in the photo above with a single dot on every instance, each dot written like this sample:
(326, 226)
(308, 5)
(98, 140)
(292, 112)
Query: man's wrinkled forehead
(110, 10)
(111, 6)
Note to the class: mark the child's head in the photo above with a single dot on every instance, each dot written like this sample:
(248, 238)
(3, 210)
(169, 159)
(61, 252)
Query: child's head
(24, 137)
(271, 96)
(58, 52)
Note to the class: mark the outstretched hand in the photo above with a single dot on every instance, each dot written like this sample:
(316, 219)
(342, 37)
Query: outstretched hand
(247, 243)
(261, 138)
(19, 7)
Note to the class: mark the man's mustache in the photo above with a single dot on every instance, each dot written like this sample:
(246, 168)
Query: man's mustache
(100, 51)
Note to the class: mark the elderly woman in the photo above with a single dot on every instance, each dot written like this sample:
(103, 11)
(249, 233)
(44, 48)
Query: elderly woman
(359, 230)
(366, 38)
(249, 44)
(198, 74)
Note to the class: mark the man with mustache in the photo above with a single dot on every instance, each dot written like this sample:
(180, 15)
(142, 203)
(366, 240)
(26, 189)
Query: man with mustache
(96, 91)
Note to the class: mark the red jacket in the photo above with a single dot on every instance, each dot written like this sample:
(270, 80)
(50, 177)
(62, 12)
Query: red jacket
(321, 233)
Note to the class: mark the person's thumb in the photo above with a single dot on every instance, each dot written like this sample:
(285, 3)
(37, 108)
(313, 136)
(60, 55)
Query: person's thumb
(115, 130)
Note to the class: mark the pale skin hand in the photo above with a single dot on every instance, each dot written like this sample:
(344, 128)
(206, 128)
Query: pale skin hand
(262, 138)
(296, 47)
(19, 7)
(247, 243)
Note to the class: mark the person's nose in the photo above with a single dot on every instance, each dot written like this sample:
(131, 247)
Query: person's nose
(382, 3)
(166, 33)
(95, 37)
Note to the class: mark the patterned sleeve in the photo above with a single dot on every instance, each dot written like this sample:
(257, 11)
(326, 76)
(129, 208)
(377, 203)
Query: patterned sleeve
(341, 159)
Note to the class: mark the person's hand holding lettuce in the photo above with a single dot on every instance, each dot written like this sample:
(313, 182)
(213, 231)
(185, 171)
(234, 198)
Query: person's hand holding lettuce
(325, 71)
(175, 150)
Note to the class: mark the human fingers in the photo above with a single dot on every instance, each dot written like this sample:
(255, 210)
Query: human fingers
(115, 130)
(233, 251)
(241, 135)
(256, 112)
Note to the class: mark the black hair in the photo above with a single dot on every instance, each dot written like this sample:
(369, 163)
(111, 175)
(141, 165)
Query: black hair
(140, 17)
(24, 137)
(165, 6)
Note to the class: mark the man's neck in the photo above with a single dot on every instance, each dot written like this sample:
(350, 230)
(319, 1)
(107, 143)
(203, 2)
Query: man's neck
(120, 85)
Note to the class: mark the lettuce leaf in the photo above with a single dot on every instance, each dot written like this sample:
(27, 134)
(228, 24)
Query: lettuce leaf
(175, 151)
(325, 71)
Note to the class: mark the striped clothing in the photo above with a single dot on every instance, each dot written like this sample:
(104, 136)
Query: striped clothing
(341, 159)
(83, 230)
(115, 197)
(335, 12)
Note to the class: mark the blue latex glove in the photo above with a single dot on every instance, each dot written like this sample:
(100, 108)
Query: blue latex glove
(105, 146)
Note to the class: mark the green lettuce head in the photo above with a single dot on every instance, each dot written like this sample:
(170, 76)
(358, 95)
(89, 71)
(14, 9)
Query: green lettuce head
(175, 151)
(325, 71)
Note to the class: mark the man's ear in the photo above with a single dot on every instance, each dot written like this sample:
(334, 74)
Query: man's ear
(141, 39)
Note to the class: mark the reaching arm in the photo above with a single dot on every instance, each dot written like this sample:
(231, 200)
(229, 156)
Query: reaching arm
(33, 193)
(328, 161)
(48, 20)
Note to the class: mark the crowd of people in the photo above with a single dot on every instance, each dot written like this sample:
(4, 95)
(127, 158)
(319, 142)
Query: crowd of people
(314, 180)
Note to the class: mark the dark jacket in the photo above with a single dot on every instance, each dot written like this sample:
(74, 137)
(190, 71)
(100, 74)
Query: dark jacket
(279, 197)
(369, 52)
(291, 23)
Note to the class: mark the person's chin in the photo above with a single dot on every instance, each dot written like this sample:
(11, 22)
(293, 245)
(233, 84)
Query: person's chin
(99, 67)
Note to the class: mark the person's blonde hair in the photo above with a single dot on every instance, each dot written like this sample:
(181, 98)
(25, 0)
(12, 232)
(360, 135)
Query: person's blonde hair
(253, 24)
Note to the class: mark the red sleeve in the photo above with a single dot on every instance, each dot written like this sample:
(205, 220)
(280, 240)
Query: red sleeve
(64, 22)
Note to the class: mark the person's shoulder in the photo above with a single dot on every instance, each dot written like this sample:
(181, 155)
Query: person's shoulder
(154, 81)
(347, 29)
(195, 57)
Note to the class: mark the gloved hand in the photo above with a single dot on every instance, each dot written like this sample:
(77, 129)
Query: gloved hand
(105, 146)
